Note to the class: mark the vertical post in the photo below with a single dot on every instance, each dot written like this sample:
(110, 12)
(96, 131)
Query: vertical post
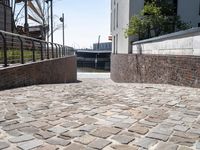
(22, 50)
(4, 50)
(63, 29)
(47, 50)
(56, 50)
(33, 50)
(52, 50)
(51, 21)
(42, 57)
(5, 19)
(26, 16)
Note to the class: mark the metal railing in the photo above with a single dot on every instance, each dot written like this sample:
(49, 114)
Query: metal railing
(19, 49)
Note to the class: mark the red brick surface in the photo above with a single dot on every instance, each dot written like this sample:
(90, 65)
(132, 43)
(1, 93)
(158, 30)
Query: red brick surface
(60, 70)
(161, 69)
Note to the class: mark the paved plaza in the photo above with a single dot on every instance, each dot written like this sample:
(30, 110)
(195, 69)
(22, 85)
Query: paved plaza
(97, 113)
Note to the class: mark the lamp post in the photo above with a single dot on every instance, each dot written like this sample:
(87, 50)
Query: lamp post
(62, 19)
(26, 17)
(51, 21)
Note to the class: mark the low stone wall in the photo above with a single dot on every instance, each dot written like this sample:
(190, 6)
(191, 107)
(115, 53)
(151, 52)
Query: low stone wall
(161, 69)
(61, 70)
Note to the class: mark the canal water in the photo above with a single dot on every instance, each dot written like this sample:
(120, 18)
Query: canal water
(86, 69)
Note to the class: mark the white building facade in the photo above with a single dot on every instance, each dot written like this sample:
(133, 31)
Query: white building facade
(123, 10)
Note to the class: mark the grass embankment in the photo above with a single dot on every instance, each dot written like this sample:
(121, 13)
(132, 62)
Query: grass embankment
(14, 56)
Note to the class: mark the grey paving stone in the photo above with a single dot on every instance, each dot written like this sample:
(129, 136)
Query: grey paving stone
(182, 141)
(72, 134)
(29, 130)
(124, 147)
(58, 129)
(22, 138)
(4, 145)
(166, 146)
(139, 129)
(99, 143)
(86, 139)
(181, 128)
(198, 145)
(87, 128)
(88, 120)
(58, 141)
(75, 146)
(45, 134)
(30, 144)
(123, 139)
(145, 142)
(70, 124)
(157, 136)
(104, 132)
(122, 125)
(14, 133)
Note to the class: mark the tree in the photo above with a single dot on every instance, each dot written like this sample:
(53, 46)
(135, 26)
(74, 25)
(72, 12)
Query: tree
(155, 19)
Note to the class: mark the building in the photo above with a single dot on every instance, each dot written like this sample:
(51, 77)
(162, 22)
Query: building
(5, 16)
(123, 10)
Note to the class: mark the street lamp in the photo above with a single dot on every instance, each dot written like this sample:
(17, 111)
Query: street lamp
(62, 19)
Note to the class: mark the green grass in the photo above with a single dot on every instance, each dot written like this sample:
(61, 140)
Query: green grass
(14, 56)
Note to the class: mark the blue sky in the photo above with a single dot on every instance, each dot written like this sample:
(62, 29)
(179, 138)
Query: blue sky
(85, 21)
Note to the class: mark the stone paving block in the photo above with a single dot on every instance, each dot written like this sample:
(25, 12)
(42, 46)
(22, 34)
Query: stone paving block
(88, 120)
(4, 145)
(72, 134)
(99, 143)
(123, 139)
(48, 147)
(139, 129)
(58, 141)
(86, 139)
(182, 141)
(70, 124)
(166, 146)
(14, 133)
(124, 147)
(58, 129)
(30, 144)
(194, 131)
(122, 125)
(145, 142)
(186, 135)
(75, 146)
(181, 128)
(39, 124)
(14, 126)
(157, 136)
(104, 132)
(44, 134)
(87, 128)
(184, 148)
(148, 123)
(29, 130)
(22, 138)
(198, 145)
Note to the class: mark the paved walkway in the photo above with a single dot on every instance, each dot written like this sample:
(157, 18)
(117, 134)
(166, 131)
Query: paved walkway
(99, 114)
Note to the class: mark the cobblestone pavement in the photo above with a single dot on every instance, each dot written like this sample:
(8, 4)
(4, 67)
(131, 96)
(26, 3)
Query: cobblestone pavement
(100, 114)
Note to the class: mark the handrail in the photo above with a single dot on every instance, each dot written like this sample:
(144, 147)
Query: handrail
(38, 49)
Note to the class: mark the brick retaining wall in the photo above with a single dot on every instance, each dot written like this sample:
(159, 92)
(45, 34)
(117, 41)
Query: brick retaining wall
(59, 70)
(161, 69)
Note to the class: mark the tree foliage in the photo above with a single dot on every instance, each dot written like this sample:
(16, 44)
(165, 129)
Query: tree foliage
(155, 19)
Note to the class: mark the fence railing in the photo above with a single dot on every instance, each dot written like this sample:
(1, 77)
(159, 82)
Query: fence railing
(18, 49)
